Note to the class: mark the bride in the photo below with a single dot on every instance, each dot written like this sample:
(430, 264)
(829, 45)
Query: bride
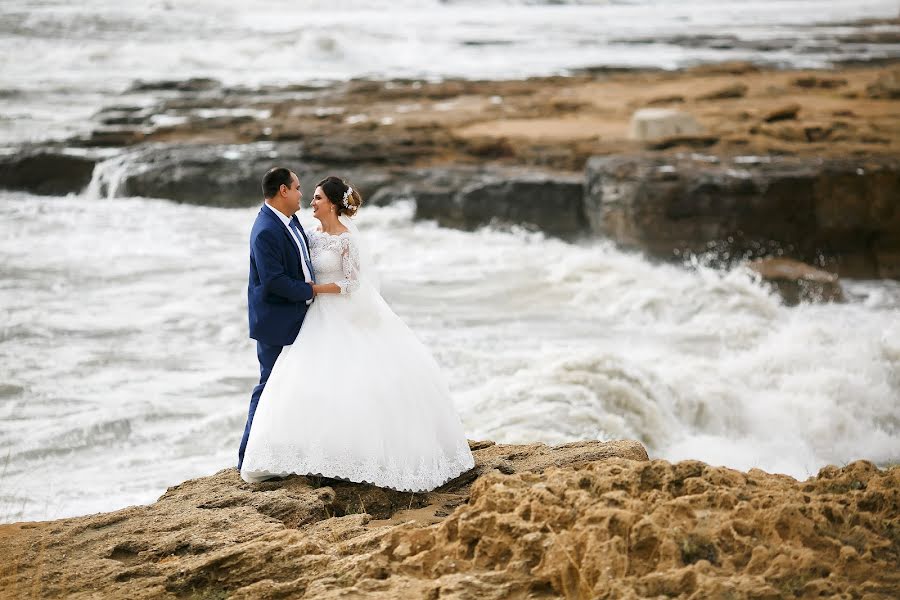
(356, 396)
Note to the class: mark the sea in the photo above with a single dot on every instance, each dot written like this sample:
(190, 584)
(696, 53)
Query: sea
(125, 365)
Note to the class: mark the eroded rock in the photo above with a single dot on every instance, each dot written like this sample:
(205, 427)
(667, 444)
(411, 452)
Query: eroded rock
(221, 536)
(582, 520)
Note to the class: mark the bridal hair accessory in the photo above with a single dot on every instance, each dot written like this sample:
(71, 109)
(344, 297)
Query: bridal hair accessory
(346, 199)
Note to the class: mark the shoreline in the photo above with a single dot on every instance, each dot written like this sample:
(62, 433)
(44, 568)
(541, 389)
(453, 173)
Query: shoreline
(753, 162)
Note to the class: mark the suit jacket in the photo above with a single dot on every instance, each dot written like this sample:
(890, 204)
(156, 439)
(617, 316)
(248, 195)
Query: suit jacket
(277, 291)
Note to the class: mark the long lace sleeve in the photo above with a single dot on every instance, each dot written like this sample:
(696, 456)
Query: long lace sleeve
(349, 265)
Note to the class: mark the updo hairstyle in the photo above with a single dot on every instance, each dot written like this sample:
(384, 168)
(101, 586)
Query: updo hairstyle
(335, 189)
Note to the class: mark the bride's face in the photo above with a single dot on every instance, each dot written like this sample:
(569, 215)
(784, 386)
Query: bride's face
(320, 204)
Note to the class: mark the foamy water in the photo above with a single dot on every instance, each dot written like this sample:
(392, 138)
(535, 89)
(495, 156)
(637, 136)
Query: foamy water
(61, 61)
(125, 365)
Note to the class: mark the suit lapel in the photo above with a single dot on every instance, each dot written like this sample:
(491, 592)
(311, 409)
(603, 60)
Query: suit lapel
(290, 236)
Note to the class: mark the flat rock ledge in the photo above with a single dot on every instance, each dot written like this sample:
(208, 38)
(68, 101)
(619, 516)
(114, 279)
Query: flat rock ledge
(582, 520)
(841, 214)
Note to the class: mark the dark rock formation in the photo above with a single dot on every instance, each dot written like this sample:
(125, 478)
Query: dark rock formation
(194, 84)
(209, 175)
(844, 214)
(46, 171)
(219, 175)
(689, 141)
(549, 202)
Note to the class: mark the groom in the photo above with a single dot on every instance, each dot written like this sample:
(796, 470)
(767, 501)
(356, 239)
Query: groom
(281, 277)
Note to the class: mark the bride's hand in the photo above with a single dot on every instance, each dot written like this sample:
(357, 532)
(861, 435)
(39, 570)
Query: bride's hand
(325, 288)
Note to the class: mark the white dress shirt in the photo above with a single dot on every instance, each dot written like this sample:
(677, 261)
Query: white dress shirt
(303, 250)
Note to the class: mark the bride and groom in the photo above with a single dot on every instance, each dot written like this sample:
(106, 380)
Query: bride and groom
(346, 390)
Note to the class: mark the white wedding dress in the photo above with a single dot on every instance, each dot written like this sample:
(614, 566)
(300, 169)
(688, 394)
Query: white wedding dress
(357, 396)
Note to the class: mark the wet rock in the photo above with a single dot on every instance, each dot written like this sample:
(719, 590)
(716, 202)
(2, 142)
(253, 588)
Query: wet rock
(842, 211)
(208, 175)
(488, 148)
(193, 84)
(220, 175)
(466, 199)
(126, 115)
(797, 281)
(689, 141)
(52, 172)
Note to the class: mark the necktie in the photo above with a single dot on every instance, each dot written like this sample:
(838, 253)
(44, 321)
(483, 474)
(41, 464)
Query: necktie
(296, 231)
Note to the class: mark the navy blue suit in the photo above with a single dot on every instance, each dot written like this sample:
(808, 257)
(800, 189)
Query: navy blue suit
(276, 298)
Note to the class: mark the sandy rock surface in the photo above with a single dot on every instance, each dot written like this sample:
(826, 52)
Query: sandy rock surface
(582, 520)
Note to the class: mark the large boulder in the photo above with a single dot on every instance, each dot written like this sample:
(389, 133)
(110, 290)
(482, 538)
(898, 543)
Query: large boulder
(841, 210)
(47, 171)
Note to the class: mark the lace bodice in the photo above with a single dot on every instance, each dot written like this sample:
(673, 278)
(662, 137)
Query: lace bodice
(335, 259)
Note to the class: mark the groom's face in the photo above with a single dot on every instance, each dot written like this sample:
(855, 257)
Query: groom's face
(294, 195)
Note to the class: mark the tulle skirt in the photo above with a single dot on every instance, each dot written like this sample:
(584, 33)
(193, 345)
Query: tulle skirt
(357, 397)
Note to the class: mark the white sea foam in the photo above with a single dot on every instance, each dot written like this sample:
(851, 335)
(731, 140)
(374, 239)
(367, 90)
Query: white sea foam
(126, 365)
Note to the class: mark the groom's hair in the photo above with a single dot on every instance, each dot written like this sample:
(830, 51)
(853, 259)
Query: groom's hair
(274, 179)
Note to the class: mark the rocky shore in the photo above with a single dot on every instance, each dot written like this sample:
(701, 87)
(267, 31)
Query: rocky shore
(731, 159)
(581, 520)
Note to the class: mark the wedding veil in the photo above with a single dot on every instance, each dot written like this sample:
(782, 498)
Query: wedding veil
(368, 274)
